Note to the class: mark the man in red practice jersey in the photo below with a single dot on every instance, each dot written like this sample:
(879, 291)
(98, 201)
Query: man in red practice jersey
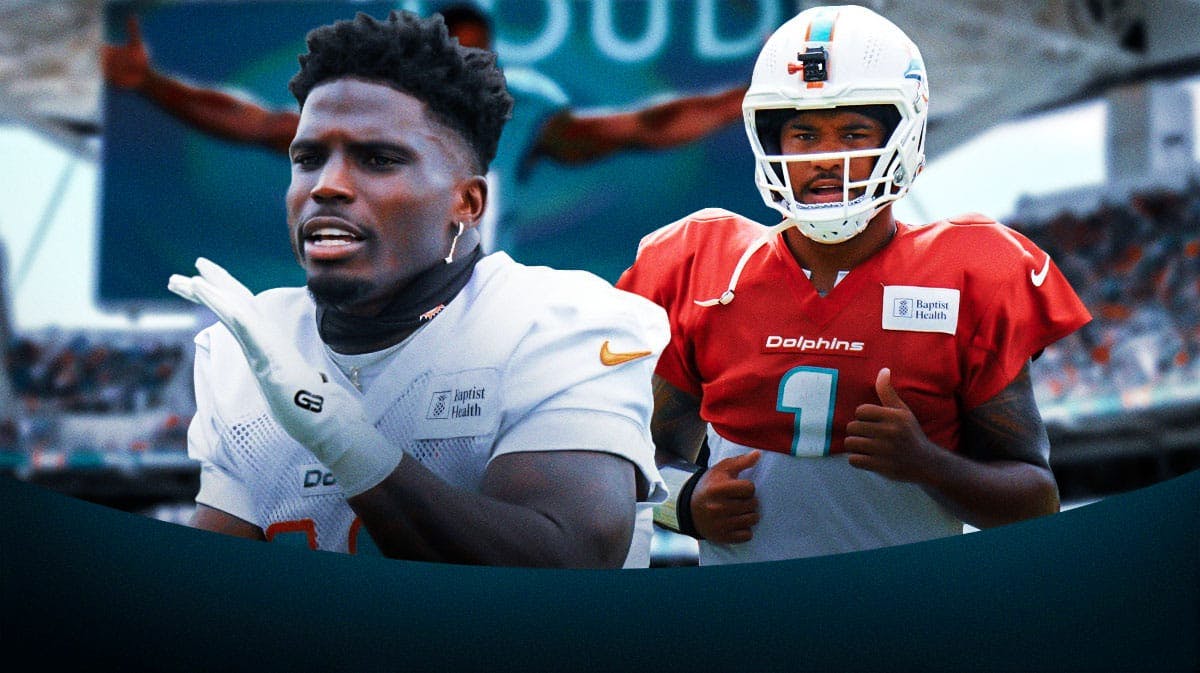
(859, 382)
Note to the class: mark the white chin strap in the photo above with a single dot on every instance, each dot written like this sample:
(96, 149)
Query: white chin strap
(822, 232)
(727, 296)
(826, 229)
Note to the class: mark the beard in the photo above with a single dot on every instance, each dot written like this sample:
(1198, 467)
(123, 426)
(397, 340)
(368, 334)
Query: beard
(332, 292)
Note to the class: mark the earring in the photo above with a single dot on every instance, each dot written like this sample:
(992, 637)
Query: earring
(454, 242)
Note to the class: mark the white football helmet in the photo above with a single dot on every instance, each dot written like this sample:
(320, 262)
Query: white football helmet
(829, 57)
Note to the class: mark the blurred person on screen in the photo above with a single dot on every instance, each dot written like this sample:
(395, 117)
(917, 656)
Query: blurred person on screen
(544, 125)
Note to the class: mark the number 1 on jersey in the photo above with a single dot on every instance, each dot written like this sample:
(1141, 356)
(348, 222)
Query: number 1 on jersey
(809, 393)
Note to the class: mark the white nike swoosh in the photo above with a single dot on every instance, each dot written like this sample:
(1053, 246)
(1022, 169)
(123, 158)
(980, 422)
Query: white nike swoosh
(1039, 277)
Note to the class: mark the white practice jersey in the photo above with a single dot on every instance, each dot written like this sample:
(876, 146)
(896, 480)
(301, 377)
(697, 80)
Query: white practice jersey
(518, 361)
(797, 496)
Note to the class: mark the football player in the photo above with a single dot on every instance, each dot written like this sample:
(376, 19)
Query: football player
(852, 381)
(419, 398)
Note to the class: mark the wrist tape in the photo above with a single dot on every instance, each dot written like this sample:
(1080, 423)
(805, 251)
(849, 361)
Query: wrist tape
(367, 459)
(675, 513)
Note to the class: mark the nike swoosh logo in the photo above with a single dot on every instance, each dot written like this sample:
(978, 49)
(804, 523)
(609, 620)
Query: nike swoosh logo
(611, 359)
(1039, 277)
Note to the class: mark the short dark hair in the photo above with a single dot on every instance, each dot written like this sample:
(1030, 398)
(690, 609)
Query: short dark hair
(463, 88)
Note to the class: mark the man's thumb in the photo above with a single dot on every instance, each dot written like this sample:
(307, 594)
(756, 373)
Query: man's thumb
(734, 466)
(888, 396)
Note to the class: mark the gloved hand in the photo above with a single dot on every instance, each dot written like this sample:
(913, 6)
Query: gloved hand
(316, 412)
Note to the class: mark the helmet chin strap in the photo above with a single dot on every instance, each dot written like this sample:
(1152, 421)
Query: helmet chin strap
(788, 223)
(727, 296)
(850, 227)
(824, 234)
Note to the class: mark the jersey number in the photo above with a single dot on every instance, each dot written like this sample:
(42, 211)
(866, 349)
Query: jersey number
(303, 532)
(808, 393)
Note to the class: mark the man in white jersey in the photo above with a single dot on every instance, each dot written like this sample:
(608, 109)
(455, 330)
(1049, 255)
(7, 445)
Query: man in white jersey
(419, 399)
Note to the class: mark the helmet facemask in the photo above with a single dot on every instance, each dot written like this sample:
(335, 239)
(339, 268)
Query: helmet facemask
(830, 222)
(836, 58)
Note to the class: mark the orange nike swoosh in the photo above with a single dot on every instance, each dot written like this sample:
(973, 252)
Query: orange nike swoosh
(610, 359)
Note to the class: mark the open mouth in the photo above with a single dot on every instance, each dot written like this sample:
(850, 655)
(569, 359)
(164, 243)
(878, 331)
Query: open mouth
(330, 239)
(824, 192)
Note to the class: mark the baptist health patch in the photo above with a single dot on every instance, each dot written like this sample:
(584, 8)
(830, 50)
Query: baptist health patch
(920, 309)
(460, 404)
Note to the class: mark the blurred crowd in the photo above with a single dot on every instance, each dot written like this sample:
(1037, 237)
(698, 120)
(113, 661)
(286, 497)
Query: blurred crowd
(68, 387)
(81, 373)
(1136, 265)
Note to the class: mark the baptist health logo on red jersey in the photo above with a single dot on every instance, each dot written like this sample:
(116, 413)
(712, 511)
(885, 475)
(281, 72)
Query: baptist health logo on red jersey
(920, 309)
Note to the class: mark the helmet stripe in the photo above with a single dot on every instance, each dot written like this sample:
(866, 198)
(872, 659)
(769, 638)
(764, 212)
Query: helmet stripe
(821, 28)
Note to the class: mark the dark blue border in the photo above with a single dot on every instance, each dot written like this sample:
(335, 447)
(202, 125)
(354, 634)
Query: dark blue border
(1110, 586)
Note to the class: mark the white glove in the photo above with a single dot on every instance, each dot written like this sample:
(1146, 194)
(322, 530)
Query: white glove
(319, 414)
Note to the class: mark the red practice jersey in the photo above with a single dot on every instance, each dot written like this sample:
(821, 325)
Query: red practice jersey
(955, 309)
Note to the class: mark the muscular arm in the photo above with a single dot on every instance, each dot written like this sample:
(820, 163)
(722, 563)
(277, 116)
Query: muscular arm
(1001, 474)
(221, 114)
(722, 505)
(217, 521)
(676, 426)
(1004, 472)
(578, 138)
(538, 508)
(127, 66)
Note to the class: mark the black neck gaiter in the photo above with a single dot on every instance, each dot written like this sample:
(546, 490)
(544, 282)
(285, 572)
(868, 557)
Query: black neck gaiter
(415, 305)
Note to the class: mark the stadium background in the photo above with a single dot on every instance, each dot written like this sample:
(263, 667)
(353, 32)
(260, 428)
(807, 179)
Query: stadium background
(101, 414)
(94, 402)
